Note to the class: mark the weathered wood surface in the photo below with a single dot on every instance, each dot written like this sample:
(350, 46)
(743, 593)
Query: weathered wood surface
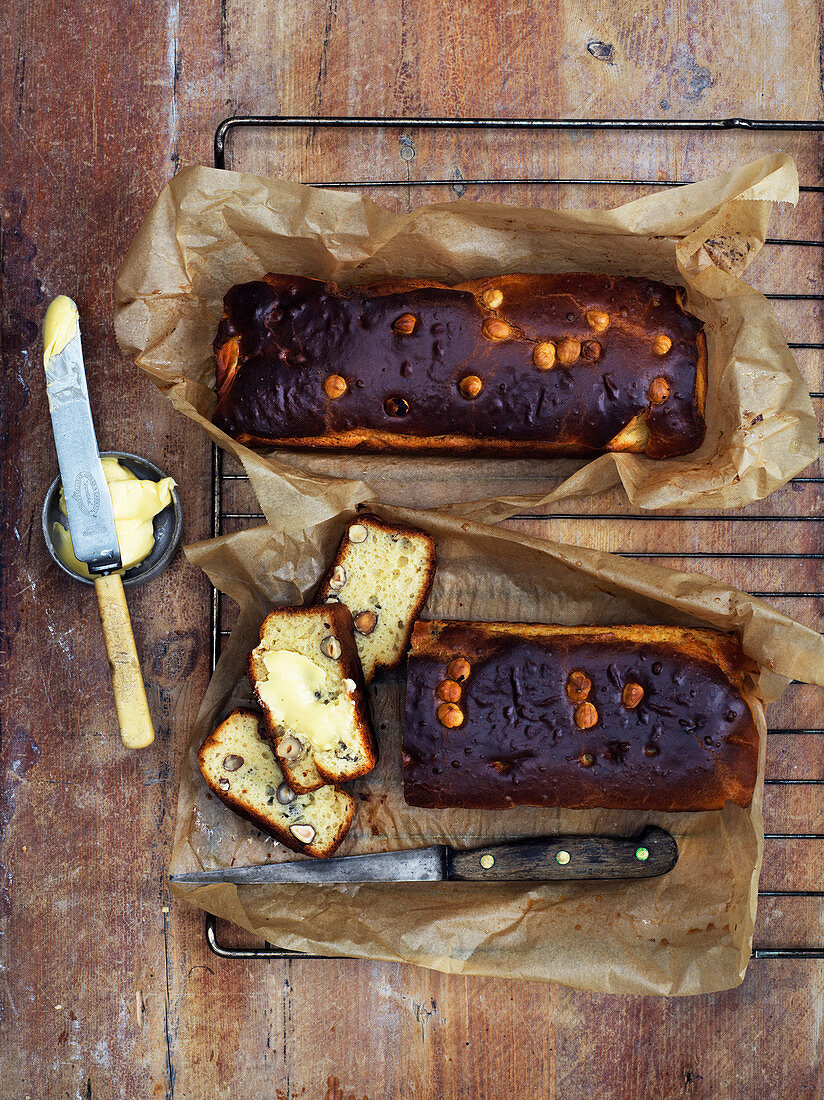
(105, 992)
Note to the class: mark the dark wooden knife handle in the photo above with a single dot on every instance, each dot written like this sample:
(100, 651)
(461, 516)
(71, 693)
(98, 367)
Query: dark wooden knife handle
(652, 853)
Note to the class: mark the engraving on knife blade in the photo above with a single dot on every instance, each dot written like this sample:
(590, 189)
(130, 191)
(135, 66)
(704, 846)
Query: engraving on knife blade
(87, 494)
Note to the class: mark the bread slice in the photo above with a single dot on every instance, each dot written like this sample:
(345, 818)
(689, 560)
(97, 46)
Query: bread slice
(239, 765)
(307, 677)
(383, 574)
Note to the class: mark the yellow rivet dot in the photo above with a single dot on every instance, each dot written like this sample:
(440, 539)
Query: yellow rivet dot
(642, 854)
(487, 861)
(562, 857)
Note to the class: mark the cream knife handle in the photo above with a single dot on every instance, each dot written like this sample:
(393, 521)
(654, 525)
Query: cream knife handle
(136, 730)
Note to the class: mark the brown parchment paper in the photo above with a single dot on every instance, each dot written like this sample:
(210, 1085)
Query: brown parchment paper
(687, 932)
(210, 229)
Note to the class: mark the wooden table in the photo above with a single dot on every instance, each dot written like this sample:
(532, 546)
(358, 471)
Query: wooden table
(110, 990)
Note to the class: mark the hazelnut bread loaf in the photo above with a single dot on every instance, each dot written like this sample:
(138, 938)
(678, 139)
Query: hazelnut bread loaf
(383, 573)
(307, 677)
(621, 717)
(239, 765)
(569, 364)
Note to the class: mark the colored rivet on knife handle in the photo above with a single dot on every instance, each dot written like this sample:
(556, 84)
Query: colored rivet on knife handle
(562, 858)
(642, 854)
(487, 861)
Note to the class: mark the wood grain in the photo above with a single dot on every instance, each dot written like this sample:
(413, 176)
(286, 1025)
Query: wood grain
(106, 994)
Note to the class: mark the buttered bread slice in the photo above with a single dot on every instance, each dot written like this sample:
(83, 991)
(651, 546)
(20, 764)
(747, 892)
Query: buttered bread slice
(239, 765)
(382, 573)
(307, 677)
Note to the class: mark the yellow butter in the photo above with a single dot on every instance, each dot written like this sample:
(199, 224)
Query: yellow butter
(59, 326)
(296, 695)
(135, 503)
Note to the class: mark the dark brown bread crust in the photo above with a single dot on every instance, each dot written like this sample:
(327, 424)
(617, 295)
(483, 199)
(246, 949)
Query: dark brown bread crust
(343, 628)
(283, 836)
(411, 532)
(691, 742)
(281, 338)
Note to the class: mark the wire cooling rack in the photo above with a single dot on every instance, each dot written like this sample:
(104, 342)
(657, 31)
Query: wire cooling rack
(533, 126)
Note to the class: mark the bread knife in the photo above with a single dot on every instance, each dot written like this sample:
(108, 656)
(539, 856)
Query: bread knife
(549, 859)
(90, 513)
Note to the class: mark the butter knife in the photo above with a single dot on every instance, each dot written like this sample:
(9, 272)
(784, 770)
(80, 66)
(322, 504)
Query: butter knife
(89, 512)
(549, 859)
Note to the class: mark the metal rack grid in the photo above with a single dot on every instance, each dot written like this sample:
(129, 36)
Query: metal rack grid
(272, 122)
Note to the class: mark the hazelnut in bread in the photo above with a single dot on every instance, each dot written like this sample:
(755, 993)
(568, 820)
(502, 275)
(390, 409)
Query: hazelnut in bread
(240, 767)
(382, 573)
(307, 678)
(527, 365)
(620, 717)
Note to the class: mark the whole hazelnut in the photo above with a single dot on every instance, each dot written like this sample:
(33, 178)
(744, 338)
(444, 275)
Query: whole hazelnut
(591, 351)
(585, 716)
(449, 691)
(459, 669)
(335, 386)
(578, 686)
(470, 386)
(450, 715)
(497, 330)
(543, 355)
(658, 391)
(405, 324)
(661, 344)
(632, 695)
(493, 298)
(568, 350)
(597, 320)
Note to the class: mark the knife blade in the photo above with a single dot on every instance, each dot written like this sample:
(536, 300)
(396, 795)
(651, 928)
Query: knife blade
(88, 502)
(548, 859)
(90, 513)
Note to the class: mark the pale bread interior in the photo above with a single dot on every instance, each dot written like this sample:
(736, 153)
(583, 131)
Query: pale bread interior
(634, 437)
(306, 634)
(255, 781)
(386, 575)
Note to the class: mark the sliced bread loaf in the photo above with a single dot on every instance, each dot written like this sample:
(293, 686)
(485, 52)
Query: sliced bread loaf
(383, 574)
(239, 765)
(307, 677)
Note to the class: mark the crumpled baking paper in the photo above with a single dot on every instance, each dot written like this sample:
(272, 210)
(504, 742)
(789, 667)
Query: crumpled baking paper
(687, 932)
(210, 229)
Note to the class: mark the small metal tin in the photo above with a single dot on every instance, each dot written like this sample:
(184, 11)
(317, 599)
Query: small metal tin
(168, 524)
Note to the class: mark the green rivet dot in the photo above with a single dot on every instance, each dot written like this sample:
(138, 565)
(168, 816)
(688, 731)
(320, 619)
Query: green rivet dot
(562, 857)
(642, 853)
(487, 861)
